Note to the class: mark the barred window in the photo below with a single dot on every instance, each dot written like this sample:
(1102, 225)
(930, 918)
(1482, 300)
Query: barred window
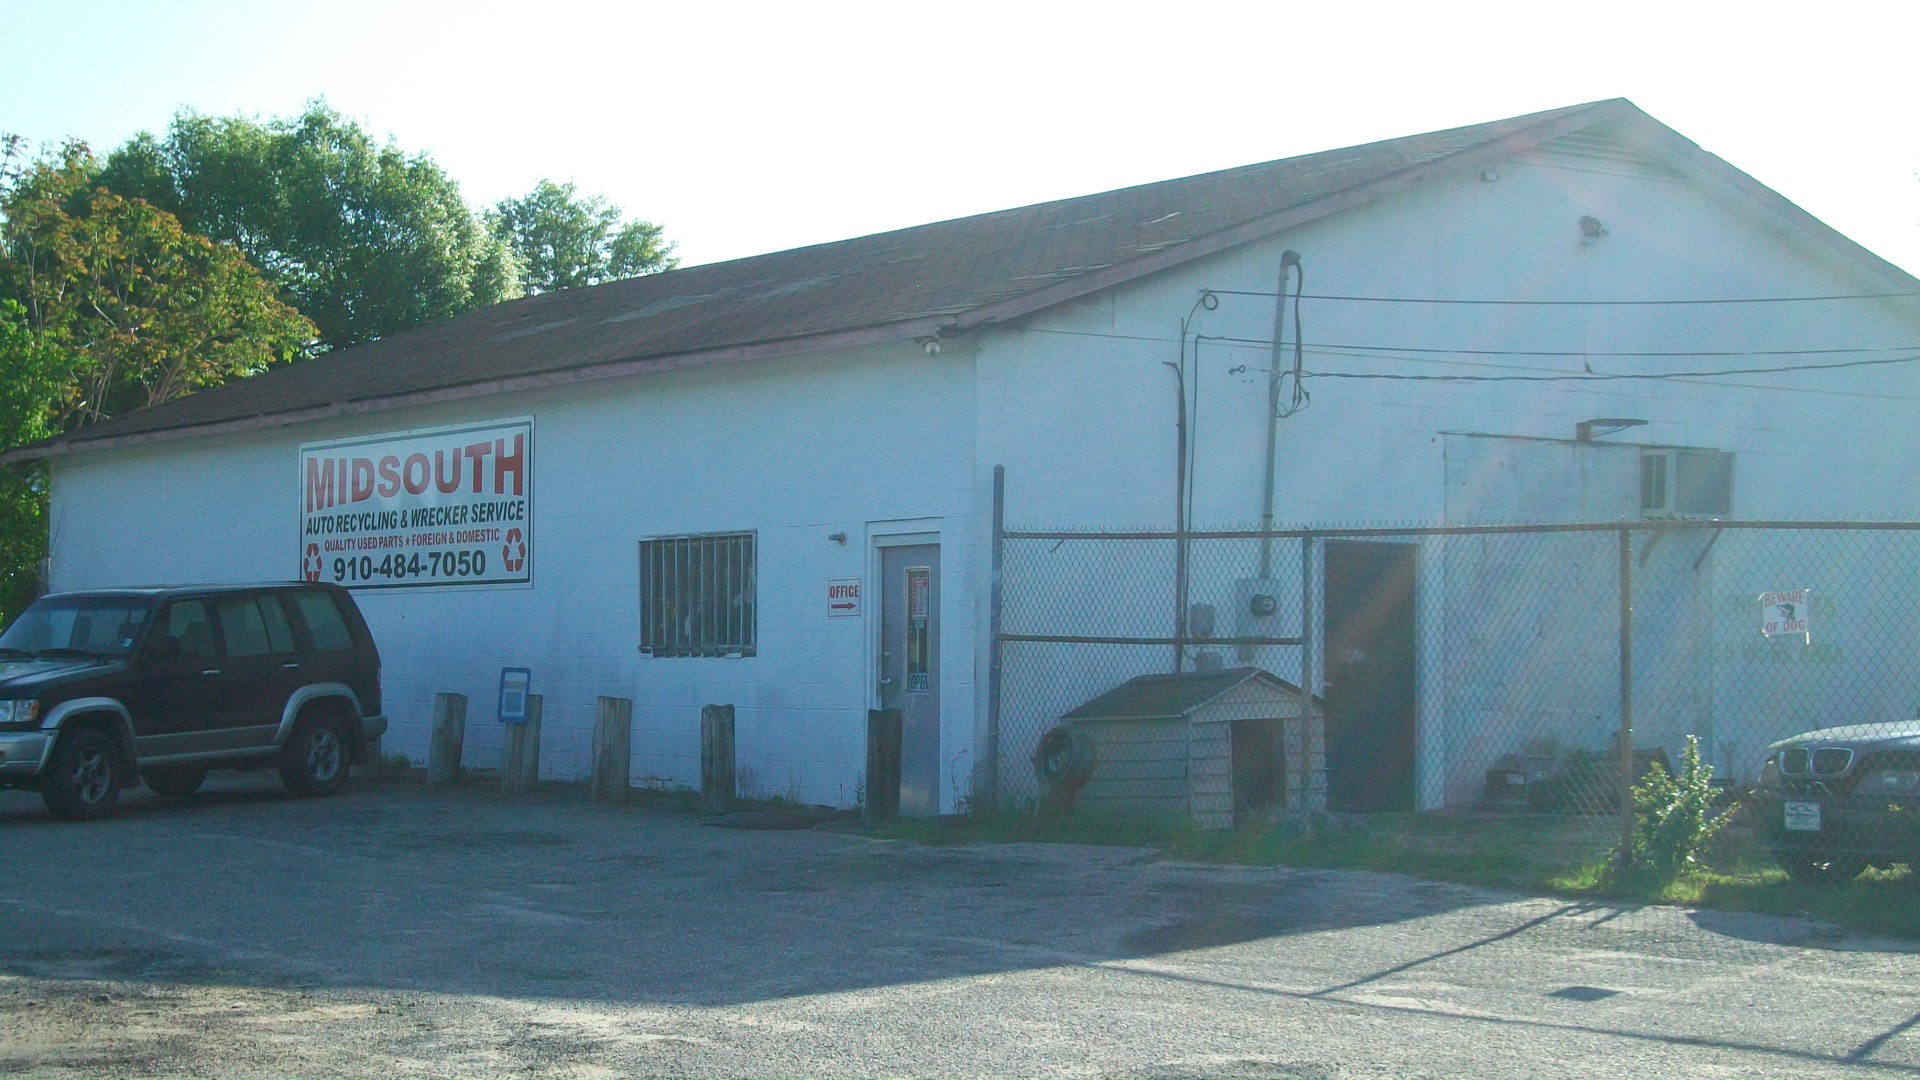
(697, 595)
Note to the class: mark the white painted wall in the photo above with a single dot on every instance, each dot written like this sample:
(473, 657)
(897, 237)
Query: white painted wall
(866, 443)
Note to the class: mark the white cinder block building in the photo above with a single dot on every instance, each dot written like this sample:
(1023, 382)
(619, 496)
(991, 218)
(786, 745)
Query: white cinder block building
(768, 482)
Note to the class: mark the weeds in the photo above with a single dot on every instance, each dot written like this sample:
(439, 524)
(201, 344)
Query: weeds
(1541, 854)
(1674, 819)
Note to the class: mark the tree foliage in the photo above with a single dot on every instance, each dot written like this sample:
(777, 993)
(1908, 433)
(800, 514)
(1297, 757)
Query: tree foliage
(130, 307)
(561, 239)
(27, 383)
(108, 304)
(366, 240)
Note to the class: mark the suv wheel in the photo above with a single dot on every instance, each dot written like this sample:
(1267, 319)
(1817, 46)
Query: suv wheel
(314, 761)
(178, 781)
(1819, 868)
(83, 779)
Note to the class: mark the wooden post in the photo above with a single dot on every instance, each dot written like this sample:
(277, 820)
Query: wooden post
(884, 728)
(612, 749)
(716, 759)
(449, 735)
(520, 752)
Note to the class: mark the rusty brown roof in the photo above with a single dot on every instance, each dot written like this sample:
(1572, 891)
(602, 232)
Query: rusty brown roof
(945, 276)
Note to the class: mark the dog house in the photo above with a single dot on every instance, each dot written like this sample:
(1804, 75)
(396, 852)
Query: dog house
(1221, 747)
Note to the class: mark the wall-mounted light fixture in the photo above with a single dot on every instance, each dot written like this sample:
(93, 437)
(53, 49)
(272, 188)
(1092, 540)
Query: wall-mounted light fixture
(930, 346)
(1590, 230)
(838, 538)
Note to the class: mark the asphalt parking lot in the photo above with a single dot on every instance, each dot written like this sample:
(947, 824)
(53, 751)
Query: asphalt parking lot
(400, 931)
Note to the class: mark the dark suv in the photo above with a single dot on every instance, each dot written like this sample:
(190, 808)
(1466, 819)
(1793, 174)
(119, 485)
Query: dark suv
(1831, 803)
(100, 690)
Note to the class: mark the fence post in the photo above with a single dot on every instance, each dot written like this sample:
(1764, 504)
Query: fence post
(1626, 696)
(986, 782)
(716, 759)
(1313, 742)
(520, 752)
(612, 749)
(449, 734)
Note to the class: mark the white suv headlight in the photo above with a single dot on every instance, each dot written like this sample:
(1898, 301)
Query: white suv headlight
(18, 710)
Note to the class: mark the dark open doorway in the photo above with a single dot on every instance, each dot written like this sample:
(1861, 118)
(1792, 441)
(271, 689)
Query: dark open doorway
(1369, 676)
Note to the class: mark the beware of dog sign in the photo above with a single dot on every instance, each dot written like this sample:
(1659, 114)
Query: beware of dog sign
(1785, 613)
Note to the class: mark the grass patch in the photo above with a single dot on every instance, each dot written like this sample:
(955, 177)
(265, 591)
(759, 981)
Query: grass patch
(1548, 855)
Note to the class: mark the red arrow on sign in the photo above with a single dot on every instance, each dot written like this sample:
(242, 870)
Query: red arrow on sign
(840, 607)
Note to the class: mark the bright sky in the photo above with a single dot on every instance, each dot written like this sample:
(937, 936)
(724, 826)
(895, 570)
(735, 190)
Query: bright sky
(746, 129)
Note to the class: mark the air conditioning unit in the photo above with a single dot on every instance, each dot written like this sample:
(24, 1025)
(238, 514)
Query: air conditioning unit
(1677, 483)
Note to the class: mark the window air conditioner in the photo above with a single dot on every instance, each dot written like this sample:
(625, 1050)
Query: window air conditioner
(1678, 483)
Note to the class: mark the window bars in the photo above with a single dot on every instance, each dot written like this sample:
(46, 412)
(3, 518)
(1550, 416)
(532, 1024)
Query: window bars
(697, 595)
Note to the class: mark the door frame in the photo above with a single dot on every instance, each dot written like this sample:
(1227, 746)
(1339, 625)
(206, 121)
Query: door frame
(902, 532)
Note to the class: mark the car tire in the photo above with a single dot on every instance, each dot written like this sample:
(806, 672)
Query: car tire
(83, 778)
(1818, 868)
(179, 781)
(314, 760)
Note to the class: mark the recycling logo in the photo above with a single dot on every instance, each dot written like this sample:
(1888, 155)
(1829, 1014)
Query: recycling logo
(514, 551)
(310, 566)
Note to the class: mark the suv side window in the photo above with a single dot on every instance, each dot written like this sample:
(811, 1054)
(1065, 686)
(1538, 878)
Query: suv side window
(189, 622)
(325, 628)
(279, 632)
(250, 631)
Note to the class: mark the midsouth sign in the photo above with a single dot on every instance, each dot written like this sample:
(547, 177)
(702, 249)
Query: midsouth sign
(444, 506)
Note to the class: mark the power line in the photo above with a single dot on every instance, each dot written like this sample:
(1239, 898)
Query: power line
(1641, 353)
(1552, 377)
(1596, 377)
(1578, 303)
(1349, 349)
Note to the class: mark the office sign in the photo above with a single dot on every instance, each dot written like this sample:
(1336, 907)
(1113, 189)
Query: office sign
(446, 506)
(843, 598)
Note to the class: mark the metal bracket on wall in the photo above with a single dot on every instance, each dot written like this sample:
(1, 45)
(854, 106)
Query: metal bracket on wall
(1653, 541)
(1708, 550)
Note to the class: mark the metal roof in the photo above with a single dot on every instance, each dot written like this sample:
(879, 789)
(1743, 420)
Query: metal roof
(1163, 697)
(942, 278)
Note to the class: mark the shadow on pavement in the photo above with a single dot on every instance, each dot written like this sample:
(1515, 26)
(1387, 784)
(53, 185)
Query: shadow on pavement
(395, 887)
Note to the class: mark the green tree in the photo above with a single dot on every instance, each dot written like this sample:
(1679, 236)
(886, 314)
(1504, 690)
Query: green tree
(27, 386)
(562, 239)
(365, 239)
(109, 304)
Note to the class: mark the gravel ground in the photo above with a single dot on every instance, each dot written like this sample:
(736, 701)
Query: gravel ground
(399, 931)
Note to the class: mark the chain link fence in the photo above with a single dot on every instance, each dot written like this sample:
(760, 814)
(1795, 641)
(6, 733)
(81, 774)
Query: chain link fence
(1529, 674)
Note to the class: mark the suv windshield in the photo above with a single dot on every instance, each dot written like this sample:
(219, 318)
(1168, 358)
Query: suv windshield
(77, 625)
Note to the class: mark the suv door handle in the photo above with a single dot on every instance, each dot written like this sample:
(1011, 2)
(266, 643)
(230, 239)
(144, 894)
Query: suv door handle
(291, 665)
(210, 671)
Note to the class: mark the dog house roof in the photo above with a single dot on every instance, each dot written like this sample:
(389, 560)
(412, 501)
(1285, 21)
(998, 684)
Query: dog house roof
(1157, 697)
